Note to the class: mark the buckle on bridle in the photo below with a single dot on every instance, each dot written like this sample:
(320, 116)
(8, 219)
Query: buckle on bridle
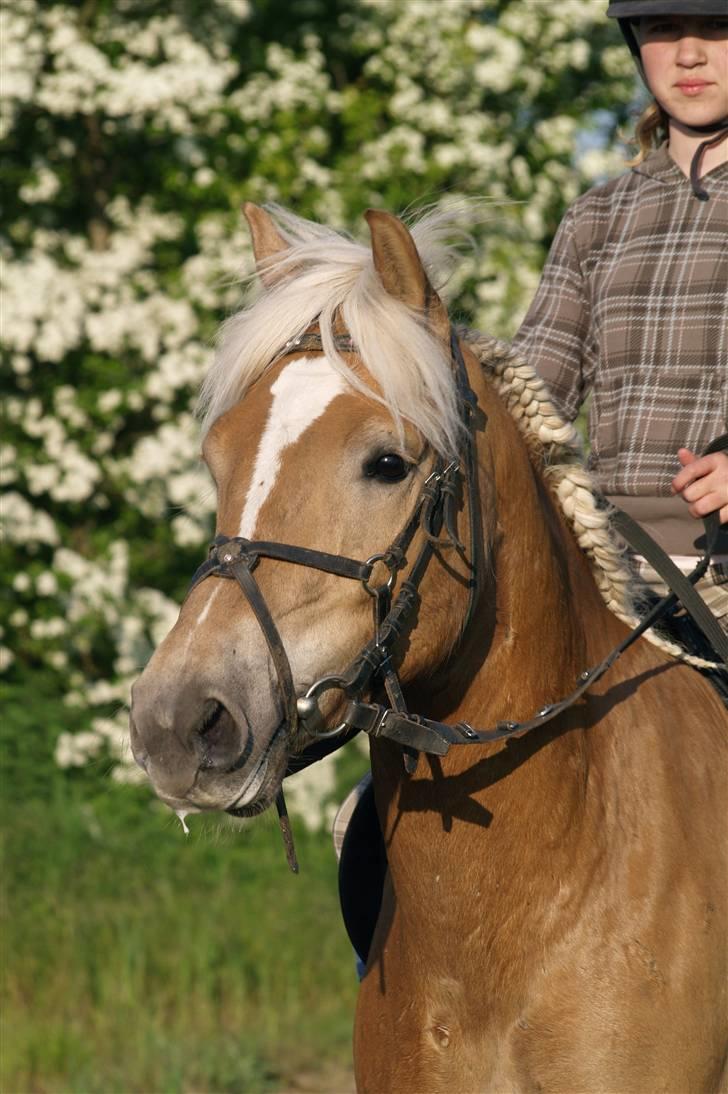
(226, 552)
(381, 726)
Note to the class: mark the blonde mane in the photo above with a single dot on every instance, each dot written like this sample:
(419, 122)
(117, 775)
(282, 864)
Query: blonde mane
(326, 275)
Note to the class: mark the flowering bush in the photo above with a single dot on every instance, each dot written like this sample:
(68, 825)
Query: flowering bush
(133, 131)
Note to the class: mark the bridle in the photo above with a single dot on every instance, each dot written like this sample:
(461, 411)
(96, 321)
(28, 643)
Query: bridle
(435, 514)
(435, 509)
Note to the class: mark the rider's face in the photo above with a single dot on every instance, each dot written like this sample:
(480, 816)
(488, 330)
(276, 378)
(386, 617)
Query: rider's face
(685, 59)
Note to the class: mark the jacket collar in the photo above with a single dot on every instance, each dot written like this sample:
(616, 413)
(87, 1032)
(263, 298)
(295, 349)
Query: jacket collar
(660, 166)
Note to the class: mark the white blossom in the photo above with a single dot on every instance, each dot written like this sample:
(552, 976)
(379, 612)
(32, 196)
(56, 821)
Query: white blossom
(310, 794)
(109, 316)
(76, 749)
(24, 524)
(48, 628)
(42, 187)
(46, 584)
(188, 532)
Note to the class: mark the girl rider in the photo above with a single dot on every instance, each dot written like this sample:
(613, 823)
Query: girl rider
(633, 301)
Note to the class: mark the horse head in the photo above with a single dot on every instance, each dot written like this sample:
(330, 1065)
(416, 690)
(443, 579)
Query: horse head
(331, 409)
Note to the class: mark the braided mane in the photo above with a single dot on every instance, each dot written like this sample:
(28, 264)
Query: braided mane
(556, 449)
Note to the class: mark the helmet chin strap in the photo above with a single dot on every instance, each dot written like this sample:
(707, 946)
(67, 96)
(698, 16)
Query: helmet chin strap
(716, 132)
(712, 127)
(719, 131)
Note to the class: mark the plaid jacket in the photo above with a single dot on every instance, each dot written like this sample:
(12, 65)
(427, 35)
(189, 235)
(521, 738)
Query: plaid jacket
(633, 307)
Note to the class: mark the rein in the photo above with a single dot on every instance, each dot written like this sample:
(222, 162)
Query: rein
(428, 735)
(435, 513)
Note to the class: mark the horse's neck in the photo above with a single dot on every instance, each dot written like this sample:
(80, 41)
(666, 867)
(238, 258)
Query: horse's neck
(541, 618)
(526, 648)
(546, 602)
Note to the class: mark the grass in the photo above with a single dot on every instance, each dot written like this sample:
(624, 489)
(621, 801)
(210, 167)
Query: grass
(135, 959)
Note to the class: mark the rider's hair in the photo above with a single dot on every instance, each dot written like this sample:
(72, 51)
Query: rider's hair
(649, 132)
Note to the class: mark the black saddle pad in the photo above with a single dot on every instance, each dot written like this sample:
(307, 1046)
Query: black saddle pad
(362, 869)
(682, 629)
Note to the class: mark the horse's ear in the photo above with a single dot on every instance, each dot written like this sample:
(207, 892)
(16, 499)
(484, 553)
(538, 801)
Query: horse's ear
(400, 270)
(267, 241)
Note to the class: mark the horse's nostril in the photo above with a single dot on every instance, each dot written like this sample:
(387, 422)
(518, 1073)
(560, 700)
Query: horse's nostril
(210, 718)
(218, 739)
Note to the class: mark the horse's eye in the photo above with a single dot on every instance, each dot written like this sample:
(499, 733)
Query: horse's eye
(389, 467)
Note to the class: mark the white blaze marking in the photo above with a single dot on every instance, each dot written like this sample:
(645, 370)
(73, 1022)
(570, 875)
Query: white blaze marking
(301, 394)
(198, 622)
(203, 614)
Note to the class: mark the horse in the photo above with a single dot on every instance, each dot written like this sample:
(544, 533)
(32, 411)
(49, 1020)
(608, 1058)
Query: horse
(554, 912)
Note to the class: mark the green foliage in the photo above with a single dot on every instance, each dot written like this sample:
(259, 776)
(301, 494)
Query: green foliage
(136, 959)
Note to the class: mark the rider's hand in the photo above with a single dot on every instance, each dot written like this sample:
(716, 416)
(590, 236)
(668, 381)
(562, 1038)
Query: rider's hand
(703, 483)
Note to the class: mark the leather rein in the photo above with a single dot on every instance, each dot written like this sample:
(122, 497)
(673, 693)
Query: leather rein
(435, 514)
